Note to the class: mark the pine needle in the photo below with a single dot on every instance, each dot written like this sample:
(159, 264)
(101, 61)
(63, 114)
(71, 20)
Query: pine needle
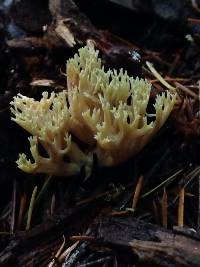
(186, 90)
(21, 210)
(12, 225)
(155, 211)
(181, 207)
(137, 192)
(31, 206)
(164, 183)
(159, 77)
(164, 208)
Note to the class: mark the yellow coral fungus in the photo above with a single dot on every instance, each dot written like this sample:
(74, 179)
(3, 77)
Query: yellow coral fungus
(105, 109)
(111, 108)
(48, 120)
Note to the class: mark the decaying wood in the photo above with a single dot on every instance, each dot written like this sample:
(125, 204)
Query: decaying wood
(149, 245)
(30, 44)
(34, 247)
(69, 27)
(144, 243)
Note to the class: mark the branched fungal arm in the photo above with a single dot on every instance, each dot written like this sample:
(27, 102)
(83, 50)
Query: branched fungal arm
(48, 120)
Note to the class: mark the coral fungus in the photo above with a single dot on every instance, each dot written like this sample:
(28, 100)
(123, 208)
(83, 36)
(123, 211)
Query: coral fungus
(111, 108)
(107, 110)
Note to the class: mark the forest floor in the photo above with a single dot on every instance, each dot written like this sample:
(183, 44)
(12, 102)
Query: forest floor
(145, 212)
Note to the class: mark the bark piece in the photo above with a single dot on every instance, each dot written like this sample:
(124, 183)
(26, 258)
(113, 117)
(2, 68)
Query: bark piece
(69, 27)
(151, 245)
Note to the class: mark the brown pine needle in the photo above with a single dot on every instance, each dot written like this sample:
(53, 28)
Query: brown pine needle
(81, 238)
(164, 208)
(53, 204)
(194, 21)
(159, 77)
(181, 207)
(60, 248)
(164, 183)
(111, 193)
(137, 192)
(155, 211)
(30, 209)
(186, 90)
(65, 255)
(170, 79)
(12, 225)
(55, 258)
(188, 194)
(21, 210)
(120, 213)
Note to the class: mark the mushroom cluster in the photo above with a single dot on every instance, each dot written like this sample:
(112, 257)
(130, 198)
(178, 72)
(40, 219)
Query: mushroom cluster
(107, 110)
